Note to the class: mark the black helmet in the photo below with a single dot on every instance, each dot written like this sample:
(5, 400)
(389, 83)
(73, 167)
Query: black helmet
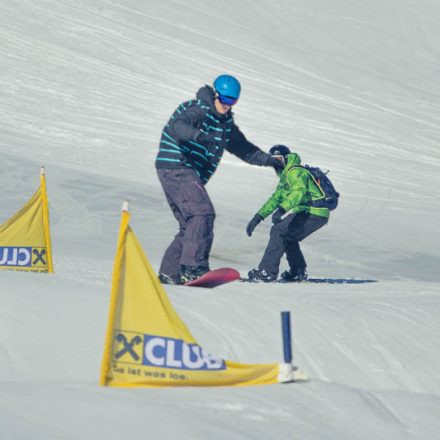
(279, 150)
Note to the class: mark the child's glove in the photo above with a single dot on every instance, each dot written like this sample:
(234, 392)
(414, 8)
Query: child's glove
(276, 216)
(253, 223)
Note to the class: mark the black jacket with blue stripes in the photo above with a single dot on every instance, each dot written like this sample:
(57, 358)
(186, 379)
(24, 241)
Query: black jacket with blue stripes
(179, 148)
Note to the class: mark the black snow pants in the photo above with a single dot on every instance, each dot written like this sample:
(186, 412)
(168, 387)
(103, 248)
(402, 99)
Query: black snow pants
(284, 239)
(195, 213)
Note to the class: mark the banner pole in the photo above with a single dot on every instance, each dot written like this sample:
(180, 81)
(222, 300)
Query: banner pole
(287, 337)
(46, 222)
(116, 276)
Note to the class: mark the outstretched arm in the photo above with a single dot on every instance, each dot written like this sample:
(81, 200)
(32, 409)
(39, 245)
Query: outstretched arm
(267, 209)
(272, 203)
(246, 150)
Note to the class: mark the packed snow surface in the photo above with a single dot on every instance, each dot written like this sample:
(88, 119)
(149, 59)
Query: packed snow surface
(85, 89)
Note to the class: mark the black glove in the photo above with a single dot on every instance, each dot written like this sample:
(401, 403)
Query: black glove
(253, 223)
(276, 163)
(207, 140)
(276, 216)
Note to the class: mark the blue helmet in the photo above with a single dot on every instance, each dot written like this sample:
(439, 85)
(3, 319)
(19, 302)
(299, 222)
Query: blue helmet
(227, 85)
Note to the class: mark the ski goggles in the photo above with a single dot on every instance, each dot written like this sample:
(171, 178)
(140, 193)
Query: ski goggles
(227, 100)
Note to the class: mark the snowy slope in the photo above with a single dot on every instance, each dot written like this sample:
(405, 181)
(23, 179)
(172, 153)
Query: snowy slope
(85, 88)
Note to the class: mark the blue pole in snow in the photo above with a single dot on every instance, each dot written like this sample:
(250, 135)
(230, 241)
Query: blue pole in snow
(287, 338)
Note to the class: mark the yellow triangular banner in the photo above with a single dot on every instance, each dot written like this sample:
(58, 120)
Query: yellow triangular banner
(148, 345)
(25, 238)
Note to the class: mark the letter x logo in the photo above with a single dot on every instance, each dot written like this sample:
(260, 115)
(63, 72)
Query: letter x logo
(39, 256)
(128, 346)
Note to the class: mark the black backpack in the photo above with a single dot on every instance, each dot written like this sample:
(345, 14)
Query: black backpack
(331, 196)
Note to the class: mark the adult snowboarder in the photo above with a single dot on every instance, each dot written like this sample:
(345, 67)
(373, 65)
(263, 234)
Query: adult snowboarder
(296, 193)
(190, 150)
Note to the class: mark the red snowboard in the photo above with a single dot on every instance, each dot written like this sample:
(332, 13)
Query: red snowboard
(215, 278)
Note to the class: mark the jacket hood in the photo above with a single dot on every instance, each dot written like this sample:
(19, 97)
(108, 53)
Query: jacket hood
(207, 95)
(293, 159)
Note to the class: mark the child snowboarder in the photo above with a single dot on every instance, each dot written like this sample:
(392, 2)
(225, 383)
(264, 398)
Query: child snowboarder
(298, 194)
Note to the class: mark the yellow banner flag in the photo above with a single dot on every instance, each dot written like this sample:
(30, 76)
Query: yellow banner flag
(25, 238)
(148, 345)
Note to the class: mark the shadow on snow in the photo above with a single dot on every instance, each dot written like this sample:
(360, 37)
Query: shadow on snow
(339, 281)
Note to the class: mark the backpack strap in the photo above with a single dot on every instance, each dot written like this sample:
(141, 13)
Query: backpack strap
(306, 167)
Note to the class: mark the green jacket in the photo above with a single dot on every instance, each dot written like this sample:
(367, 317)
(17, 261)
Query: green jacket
(295, 191)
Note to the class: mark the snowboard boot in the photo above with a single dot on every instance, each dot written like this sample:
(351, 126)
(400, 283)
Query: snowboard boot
(294, 276)
(169, 279)
(261, 276)
(191, 273)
